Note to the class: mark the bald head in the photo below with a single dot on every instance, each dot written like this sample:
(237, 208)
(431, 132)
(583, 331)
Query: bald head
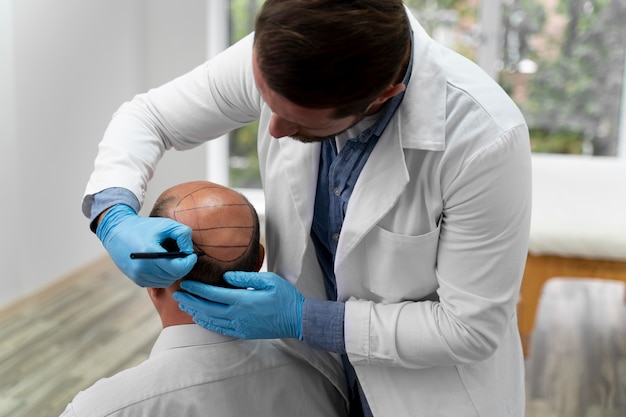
(225, 227)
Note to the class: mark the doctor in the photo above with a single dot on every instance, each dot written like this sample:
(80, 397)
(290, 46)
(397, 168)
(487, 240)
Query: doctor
(397, 186)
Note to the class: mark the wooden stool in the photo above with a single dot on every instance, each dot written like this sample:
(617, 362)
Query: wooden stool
(578, 227)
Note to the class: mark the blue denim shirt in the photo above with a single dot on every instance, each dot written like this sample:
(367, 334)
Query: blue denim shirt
(322, 321)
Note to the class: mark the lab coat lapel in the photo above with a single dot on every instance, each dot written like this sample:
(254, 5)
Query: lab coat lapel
(301, 165)
(382, 180)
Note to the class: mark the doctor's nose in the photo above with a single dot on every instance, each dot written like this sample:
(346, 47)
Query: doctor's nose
(280, 127)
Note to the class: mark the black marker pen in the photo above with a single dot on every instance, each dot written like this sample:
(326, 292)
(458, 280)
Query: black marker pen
(158, 255)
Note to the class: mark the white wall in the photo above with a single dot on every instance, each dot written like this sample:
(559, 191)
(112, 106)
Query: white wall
(65, 67)
(177, 43)
(10, 257)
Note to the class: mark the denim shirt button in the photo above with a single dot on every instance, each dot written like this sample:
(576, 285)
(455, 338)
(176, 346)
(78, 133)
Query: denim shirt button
(336, 191)
(335, 237)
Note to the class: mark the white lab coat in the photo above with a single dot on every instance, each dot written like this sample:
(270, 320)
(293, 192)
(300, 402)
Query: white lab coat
(442, 204)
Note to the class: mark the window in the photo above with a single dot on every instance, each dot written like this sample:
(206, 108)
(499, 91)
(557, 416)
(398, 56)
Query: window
(562, 61)
(243, 159)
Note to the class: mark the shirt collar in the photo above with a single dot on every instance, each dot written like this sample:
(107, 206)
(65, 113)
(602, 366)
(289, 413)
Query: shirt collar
(186, 335)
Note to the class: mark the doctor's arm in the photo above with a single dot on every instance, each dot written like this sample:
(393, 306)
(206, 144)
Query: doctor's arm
(212, 99)
(122, 231)
(264, 306)
(481, 255)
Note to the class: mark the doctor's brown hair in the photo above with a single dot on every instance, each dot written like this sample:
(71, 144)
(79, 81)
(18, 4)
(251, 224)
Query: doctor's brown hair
(339, 54)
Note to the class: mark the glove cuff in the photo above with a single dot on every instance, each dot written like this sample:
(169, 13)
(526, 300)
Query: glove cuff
(112, 218)
(299, 324)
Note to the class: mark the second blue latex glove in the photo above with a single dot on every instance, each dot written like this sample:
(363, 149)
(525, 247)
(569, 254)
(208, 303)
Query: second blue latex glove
(265, 307)
(122, 231)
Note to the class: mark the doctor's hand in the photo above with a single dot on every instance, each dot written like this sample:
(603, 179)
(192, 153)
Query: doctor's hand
(265, 307)
(122, 232)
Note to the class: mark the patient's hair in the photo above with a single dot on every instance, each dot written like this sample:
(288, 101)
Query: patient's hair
(225, 228)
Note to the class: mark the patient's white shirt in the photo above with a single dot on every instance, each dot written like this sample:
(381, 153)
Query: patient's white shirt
(195, 372)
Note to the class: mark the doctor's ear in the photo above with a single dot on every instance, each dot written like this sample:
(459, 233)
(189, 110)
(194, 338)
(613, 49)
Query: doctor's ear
(391, 91)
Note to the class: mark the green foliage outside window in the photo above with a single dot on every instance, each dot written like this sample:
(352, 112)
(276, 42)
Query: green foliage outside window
(572, 101)
(244, 163)
(578, 83)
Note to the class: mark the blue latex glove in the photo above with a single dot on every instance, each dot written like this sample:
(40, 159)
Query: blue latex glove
(273, 309)
(122, 231)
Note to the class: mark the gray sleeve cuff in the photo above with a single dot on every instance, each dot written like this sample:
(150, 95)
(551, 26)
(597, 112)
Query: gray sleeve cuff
(322, 325)
(108, 198)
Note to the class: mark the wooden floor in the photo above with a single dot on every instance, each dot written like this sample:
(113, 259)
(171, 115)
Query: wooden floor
(96, 322)
(61, 340)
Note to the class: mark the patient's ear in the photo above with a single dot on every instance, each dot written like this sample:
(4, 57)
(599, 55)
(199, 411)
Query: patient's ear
(151, 293)
(156, 294)
(259, 262)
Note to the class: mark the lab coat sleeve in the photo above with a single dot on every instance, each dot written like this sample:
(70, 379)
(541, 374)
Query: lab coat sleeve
(212, 99)
(480, 261)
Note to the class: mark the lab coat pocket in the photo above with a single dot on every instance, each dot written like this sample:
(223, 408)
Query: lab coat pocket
(401, 267)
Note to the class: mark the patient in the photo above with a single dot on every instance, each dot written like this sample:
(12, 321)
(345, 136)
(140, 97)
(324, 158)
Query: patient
(192, 371)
